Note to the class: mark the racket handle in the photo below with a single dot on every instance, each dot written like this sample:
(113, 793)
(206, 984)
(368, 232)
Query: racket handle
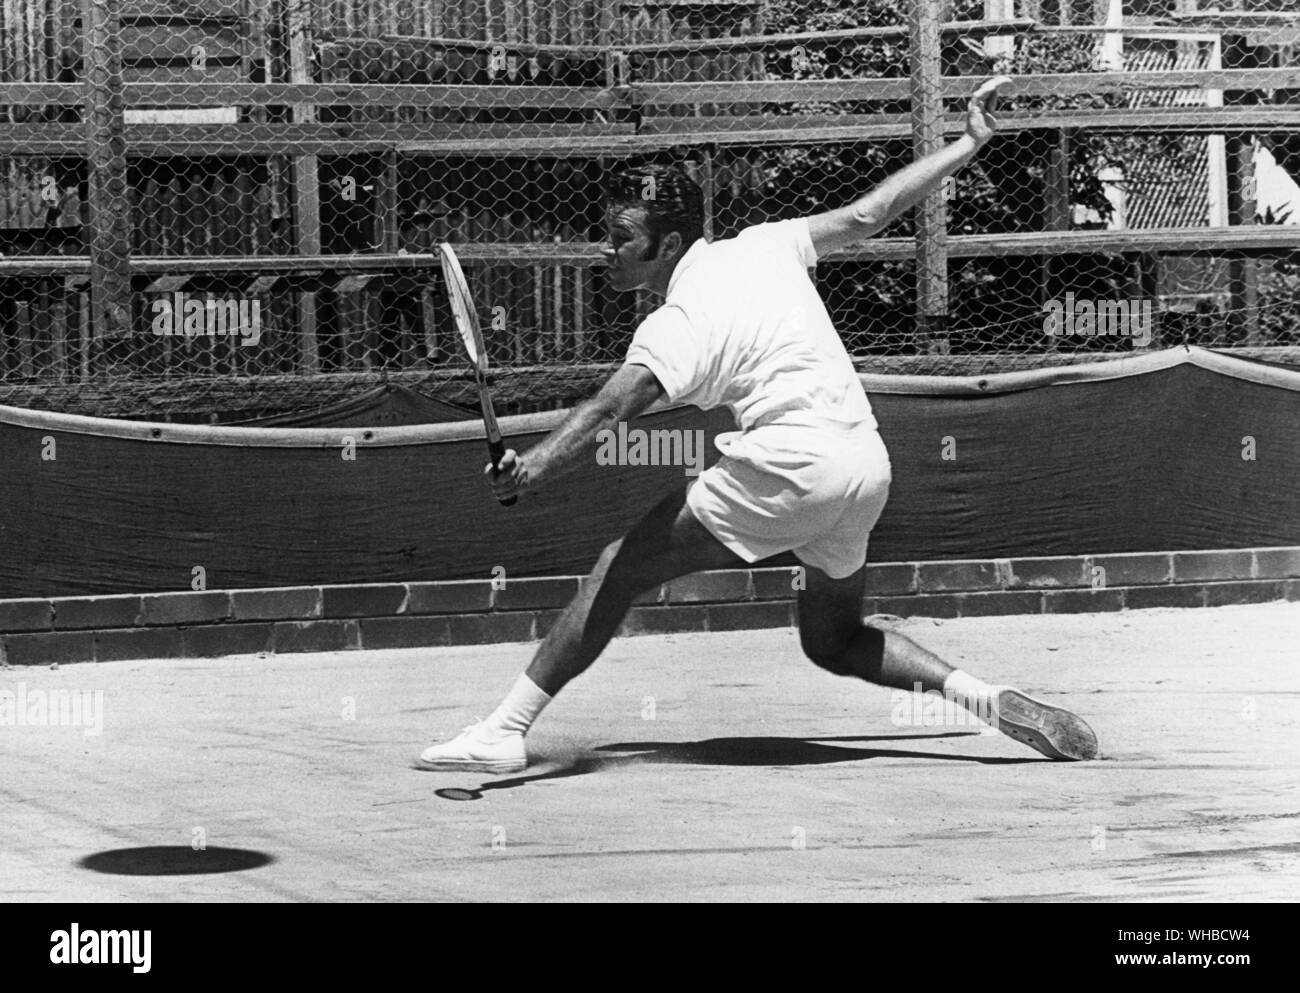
(497, 450)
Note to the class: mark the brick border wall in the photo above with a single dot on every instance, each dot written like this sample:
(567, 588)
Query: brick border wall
(473, 612)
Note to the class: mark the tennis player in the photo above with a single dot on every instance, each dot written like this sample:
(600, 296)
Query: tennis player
(742, 324)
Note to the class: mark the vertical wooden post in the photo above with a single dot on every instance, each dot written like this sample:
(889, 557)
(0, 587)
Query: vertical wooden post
(1056, 183)
(1111, 14)
(84, 333)
(517, 229)
(999, 46)
(757, 60)
(52, 53)
(706, 175)
(607, 36)
(932, 212)
(1148, 275)
(23, 321)
(109, 215)
(1216, 151)
(557, 306)
(1236, 52)
(429, 324)
(1056, 207)
(306, 176)
(60, 318)
(390, 220)
(612, 32)
(1243, 279)
(579, 313)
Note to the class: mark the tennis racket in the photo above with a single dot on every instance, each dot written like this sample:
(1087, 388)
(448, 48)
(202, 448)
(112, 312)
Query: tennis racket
(471, 336)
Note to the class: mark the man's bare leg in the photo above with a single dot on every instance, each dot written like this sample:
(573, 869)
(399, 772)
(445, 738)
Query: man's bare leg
(834, 636)
(667, 543)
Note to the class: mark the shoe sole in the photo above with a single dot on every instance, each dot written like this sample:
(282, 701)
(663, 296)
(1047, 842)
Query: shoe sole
(1055, 732)
(495, 766)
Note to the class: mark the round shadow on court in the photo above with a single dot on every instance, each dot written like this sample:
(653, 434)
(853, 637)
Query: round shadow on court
(173, 860)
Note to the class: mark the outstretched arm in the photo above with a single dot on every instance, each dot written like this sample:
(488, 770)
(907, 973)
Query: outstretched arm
(626, 394)
(906, 188)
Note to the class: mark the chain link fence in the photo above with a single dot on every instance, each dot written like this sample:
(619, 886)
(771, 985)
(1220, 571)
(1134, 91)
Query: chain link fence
(211, 211)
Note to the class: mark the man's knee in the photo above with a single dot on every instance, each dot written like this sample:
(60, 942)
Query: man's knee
(833, 662)
(829, 654)
(839, 658)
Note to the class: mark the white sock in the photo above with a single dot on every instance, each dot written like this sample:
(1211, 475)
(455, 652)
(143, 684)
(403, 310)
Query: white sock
(977, 696)
(519, 709)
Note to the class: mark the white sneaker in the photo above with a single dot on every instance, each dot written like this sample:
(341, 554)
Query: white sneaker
(476, 749)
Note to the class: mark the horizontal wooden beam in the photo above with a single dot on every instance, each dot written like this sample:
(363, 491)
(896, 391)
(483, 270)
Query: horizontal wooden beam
(579, 140)
(1133, 27)
(1052, 84)
(1045, 84)
(612, 140)
(659, 133)
(739, 42)
(42, 94)
(342, 138)
(331, 94)
(641, 94)
(179, 19)
(974, 29)
(154, 266)
(364, 43)
(1233, 20)
(814, 128)
(147, 10)
(1246, 239)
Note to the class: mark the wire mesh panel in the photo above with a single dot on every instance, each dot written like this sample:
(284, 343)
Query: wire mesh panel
(217, 208)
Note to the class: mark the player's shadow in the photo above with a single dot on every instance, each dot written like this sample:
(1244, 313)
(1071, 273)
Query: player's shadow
(765, 751)
(790, 751)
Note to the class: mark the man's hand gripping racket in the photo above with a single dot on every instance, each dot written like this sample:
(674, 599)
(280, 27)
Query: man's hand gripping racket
(505, 468)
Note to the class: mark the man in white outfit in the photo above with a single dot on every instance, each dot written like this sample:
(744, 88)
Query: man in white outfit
(742, 325)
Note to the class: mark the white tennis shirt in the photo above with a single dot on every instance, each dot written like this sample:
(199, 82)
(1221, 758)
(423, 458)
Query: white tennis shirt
(743, 325)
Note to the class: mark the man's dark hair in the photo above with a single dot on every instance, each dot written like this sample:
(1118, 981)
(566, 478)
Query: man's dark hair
(670, 197)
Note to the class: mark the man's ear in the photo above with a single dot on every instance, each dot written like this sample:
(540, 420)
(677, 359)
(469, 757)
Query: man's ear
(671, 246)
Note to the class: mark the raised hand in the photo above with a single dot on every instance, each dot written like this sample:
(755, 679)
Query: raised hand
(980, 122)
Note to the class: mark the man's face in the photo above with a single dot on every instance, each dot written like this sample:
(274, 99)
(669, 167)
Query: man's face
(628, 252)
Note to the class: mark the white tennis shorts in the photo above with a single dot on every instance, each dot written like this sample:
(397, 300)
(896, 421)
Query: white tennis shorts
(816, 490)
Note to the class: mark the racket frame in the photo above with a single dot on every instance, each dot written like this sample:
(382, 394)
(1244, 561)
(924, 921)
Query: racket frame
(471, 336)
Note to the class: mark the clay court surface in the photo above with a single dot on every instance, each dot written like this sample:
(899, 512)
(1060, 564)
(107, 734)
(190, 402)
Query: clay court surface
(758, 777)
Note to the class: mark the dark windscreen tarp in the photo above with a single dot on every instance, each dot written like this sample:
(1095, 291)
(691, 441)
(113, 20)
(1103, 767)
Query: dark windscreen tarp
(387, 405)
(1178, 450)
(1179, 458)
